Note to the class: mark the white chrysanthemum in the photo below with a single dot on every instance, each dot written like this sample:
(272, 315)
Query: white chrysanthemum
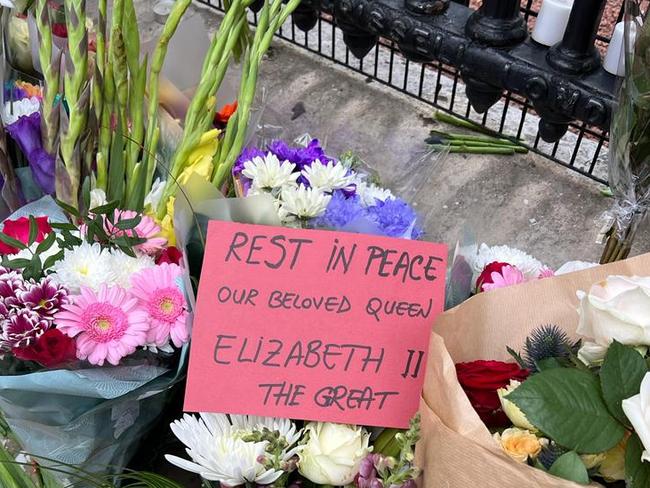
(219, 453)
(369, 193)
(303, 203)
(327, 177)
(525, 263)
(268, 173)
(153, 197)
(19, 108)
(86, 265)
(126, 266)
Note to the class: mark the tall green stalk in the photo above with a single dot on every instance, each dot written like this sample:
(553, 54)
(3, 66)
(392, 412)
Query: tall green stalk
(76, 89)
(51, 68)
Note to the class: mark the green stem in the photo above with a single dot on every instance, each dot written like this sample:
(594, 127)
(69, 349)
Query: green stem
(474, 149)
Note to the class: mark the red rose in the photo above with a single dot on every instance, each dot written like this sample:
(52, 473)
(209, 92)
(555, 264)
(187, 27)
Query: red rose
(170, 255)
(50, 349)
(19, 229)
(486, 275)
(481, 380)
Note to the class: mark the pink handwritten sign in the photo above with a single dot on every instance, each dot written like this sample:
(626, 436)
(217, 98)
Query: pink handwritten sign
(313, 325)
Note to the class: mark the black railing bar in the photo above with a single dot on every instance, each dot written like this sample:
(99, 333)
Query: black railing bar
(504, 114)
(421, 84)
(577, 147)
(596, 155)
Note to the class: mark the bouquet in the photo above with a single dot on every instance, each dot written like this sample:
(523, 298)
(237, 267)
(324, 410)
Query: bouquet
(488, 416)
(303, 186)
(94, 317)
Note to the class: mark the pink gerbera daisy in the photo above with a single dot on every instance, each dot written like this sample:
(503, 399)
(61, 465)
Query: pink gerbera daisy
(147, 229)
(508, 276)
(108, 324)
(159, 292)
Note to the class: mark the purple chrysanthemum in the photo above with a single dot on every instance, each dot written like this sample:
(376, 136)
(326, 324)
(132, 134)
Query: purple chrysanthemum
(300, 156)
(340, 212)
(45, 297)
(21, 328)
(395, 218)
(11, 284)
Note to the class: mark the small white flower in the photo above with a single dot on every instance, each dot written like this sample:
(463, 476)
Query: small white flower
(86, 265)
(303, 203)
(218, 452)
(19, 108)
(153, 197)
(126, 266)
(369, 193)
(97, 198)
(327, 177)
(268, 173)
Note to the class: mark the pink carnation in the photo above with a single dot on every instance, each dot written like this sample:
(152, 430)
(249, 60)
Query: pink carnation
(108, 324)
(508, 276)
(159, 293)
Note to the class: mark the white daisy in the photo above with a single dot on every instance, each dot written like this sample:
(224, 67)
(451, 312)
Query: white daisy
(525, 263)
(303, 203)
(126, 266)
(19, 108)
(327, 177)
(219, 453)
(86, 265)
(268, 173)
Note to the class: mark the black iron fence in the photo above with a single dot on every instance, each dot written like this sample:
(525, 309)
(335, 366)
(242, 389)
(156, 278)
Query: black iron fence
(478, 64)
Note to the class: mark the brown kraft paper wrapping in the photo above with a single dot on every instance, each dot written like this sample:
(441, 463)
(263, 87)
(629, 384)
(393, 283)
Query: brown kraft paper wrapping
(457, 449)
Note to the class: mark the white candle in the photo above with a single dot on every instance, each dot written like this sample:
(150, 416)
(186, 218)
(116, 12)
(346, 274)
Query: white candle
(551, 21)
(614, 62)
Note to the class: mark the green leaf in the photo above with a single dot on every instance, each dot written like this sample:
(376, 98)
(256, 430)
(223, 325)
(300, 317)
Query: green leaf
(620, 377)
(570, 467)
(128, 224)
(566, 405)
(63, 226)
(18, 263)
(33, 230)
(12, 475)
(33, 270)
(68, 208)
(10, 241)
(107, 208)
(49, 262)
(548, 363)
(116, 163)
(637, 473)
(46, 243)
(517, 357)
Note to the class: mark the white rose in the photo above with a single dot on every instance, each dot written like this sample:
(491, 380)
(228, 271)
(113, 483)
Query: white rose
(637, 410)
(333, 453)
(617, 308)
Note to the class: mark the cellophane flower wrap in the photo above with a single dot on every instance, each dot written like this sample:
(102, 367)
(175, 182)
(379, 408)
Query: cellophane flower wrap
(93, 337)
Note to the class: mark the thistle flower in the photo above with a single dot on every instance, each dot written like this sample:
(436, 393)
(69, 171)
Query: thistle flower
(548, 341)
(550, 453)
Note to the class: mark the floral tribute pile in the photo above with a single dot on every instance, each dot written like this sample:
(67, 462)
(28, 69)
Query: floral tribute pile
(98, 290)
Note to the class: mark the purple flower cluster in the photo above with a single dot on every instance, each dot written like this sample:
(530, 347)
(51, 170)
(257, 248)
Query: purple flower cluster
(300, 156)
(392, 218)
(27, 308)
(26, 131)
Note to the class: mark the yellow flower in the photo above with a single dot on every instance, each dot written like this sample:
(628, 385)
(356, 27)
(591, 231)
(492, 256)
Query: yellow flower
(200, 159)
(513, 412)
(520, 444)
(592, 460)
(613, 466)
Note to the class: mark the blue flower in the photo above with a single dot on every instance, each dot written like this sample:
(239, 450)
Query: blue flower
(395, 218)
(340, 212)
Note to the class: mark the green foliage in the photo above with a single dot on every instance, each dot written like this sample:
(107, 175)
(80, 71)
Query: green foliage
(567, 405)
(620, 377)
(637, 473)
(570, 467)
